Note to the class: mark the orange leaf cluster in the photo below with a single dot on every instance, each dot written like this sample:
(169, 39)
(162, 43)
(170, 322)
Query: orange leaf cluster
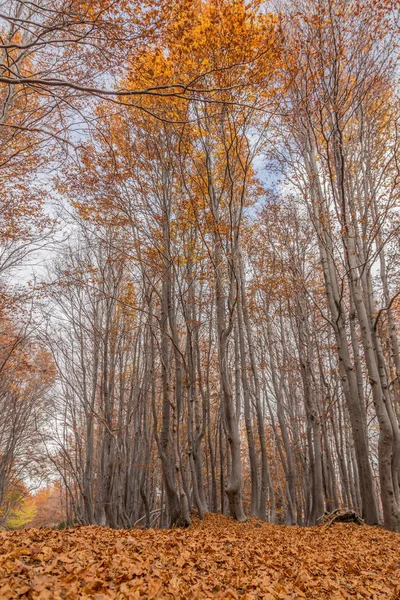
(215, 558)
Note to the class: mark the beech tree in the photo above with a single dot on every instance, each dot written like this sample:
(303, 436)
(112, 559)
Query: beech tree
(341, 111)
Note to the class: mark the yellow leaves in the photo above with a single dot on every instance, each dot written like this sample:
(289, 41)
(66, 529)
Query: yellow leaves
(19, 509)
(215, 44)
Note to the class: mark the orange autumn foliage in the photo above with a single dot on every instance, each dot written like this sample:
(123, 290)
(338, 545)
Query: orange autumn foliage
(47, 502)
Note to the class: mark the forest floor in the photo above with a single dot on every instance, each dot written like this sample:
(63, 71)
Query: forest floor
(215, 558)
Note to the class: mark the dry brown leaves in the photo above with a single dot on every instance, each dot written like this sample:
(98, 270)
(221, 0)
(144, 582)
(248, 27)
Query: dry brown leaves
(216, 558)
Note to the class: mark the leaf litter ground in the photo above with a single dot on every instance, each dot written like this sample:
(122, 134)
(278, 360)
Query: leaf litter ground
(215, 558)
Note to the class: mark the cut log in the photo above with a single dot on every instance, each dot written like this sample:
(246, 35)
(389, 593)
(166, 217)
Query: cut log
(341, 515)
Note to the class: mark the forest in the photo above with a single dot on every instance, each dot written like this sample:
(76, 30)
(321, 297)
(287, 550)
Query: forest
(199, 267)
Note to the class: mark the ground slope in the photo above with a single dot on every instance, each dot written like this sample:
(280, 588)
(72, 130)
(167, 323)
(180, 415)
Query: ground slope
(216, 558)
